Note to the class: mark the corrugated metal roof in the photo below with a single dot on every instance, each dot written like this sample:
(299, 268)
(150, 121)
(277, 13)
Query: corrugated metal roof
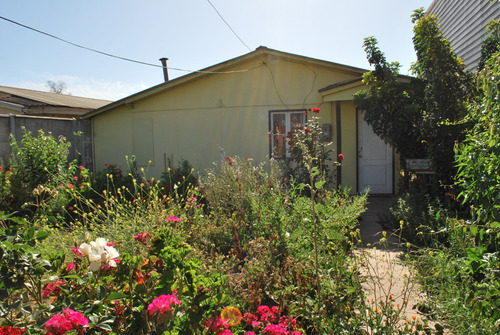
(49, 98)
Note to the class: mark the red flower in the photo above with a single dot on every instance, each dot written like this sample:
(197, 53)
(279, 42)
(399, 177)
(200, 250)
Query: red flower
(251, 319)
(266, 314)
(76, 251)
(229, 160)
(216, 324)
(285, 321)
(173, 218)
(275, 330)
(70, 266)
(53, 289)
(163, 304)
(341, 157)
(68, 320)
(143, 238)
(8, 330)
(315, 110)
(224, 332)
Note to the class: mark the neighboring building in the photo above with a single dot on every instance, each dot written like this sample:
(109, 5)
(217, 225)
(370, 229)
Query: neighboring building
(58, 114)
(245, 110)
(463, 23)
(22, 101)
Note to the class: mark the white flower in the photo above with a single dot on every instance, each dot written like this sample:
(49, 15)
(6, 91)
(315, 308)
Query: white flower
(99, 253)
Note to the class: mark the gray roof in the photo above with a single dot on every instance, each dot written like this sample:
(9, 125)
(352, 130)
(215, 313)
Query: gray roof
(28, 98)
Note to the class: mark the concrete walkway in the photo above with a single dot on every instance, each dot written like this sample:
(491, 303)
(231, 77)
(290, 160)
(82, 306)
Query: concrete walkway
(387, 279)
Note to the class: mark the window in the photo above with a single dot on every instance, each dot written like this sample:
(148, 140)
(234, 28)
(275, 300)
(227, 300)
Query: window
(282, 123)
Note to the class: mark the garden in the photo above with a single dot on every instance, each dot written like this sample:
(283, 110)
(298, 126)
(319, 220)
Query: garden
(258, 248)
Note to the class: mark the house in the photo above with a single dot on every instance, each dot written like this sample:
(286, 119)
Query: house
(463, 23)
(244, 107)
(22, 101)
(58, 114)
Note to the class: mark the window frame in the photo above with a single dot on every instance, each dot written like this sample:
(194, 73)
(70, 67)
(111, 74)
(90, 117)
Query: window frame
(273, 137)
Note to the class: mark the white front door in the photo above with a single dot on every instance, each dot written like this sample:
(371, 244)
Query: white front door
(374, 160)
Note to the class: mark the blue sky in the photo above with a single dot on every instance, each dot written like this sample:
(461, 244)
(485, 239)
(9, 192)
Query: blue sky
(188, 32)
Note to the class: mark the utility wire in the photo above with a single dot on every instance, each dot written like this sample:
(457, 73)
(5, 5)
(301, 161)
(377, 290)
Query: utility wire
(227, 24)
(115, 56)
(263, 62)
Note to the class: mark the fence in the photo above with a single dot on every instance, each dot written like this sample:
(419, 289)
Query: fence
(81, 145)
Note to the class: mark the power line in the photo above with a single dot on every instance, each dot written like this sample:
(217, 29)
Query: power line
(115, 56)
(263, 62)
(227, 24)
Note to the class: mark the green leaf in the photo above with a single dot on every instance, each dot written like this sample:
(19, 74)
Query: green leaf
(105, 326)
(41, 234)
(94, 319)
(7, 245)
(73, 277)
(495, 224)
(473, 230)
(101, 291)
(30, 233)
(117, 296)
(319, 184)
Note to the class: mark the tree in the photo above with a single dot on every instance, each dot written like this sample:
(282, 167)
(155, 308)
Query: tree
(491, 44)
(389, 104)
(59, 87)
(418, 116)
(442, 93)
(478, 158)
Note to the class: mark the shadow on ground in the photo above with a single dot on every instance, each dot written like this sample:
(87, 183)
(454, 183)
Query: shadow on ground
(370, 226)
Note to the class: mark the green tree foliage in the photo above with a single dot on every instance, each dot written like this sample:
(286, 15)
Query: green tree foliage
(418, 116)
(491, 44)
(478, 158)
(442, 92)
(389, 104)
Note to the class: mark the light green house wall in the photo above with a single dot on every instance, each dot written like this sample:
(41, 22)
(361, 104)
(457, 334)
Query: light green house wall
(203, 117)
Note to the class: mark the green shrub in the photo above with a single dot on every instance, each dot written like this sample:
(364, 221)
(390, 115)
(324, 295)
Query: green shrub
(6, 196)
(422, 219)
(39, 162)
(179, 180)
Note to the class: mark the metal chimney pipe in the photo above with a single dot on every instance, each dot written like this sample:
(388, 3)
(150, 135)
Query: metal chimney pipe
(165, 69)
